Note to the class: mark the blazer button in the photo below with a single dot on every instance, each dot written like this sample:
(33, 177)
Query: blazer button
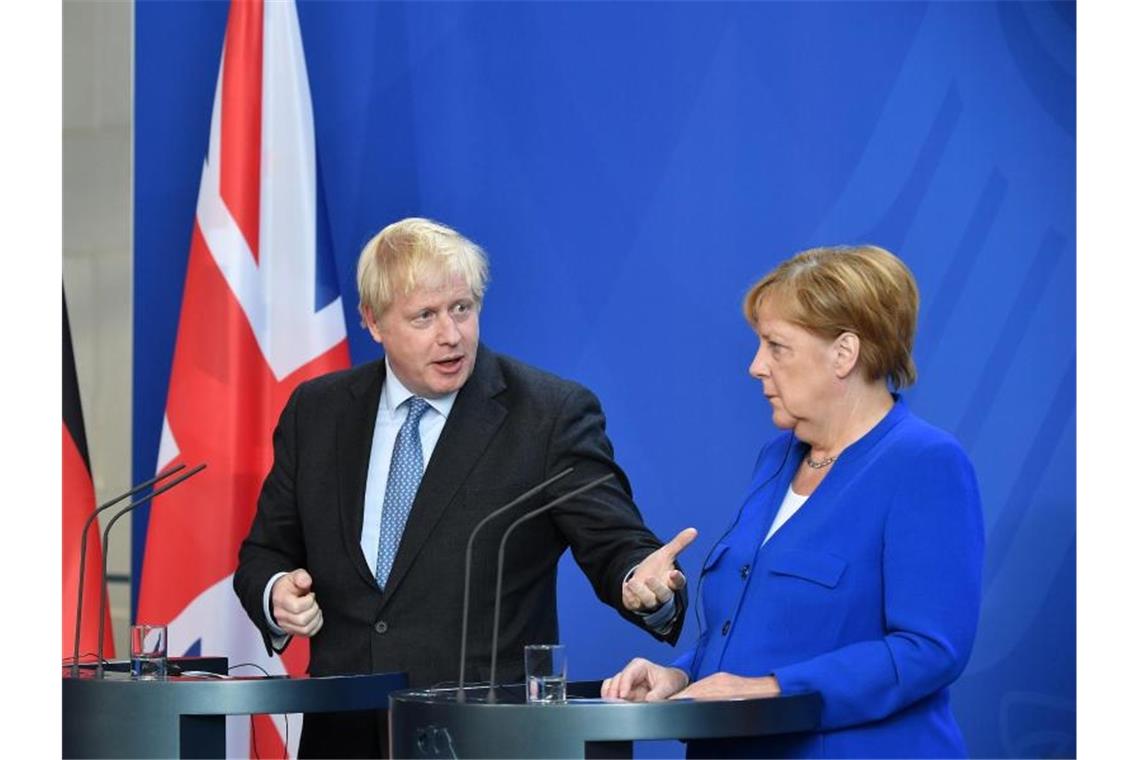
(724, 628)
(744, 571)
(381, 627)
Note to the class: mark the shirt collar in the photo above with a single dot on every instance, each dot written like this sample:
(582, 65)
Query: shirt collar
(395, 393)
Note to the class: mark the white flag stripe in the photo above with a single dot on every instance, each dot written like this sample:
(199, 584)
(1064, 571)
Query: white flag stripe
(289, 200)
(167, 446)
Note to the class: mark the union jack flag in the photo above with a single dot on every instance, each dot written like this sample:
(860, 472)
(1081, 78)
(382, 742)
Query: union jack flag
(261, 313)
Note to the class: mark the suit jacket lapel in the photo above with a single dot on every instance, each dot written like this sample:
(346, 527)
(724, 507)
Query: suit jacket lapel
(473, 421)
(353, 449)
(775, 494)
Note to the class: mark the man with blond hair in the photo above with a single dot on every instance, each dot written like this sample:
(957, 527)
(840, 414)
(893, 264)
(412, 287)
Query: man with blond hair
(381, 472)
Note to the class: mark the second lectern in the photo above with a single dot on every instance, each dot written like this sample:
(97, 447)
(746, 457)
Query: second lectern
(435, 723)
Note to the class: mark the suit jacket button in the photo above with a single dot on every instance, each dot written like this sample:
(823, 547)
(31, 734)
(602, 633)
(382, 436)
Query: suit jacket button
(381, 627)
(745, 571)
(724, 628)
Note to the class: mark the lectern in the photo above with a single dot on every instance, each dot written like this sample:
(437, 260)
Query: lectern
(434, 723)
(184, 716)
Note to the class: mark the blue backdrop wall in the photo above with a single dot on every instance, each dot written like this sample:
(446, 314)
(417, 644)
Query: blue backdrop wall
(631, 168)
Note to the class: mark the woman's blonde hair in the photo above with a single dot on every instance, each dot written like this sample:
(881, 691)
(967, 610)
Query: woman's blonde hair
(862, 289)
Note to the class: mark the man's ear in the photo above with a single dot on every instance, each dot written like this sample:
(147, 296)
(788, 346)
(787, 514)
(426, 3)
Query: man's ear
(846, 352)
(372, 324)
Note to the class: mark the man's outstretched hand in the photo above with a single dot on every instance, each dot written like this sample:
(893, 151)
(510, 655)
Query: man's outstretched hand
(657, 577)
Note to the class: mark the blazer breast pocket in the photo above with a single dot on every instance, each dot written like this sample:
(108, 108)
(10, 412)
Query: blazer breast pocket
(817, 567)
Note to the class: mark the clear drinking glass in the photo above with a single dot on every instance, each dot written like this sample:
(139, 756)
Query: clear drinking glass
(148, 652)
(545, 673)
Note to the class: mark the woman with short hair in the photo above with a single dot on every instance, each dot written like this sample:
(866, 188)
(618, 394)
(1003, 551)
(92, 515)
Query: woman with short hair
(854, 566)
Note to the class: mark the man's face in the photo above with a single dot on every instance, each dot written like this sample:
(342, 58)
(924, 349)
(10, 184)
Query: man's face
(430, 336)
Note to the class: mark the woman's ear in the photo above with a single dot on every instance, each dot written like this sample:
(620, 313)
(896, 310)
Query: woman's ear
(846, 352)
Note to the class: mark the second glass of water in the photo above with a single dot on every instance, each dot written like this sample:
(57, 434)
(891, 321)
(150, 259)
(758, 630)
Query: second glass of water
(545, 673)
(148, 652)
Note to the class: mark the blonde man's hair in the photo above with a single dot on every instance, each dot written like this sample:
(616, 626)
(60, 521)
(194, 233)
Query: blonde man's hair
(411, 252)
(862, 289)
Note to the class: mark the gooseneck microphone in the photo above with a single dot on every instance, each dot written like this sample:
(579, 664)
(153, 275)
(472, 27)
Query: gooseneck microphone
(83, 555)
(499, 578)
(467, 567)
(106, 537)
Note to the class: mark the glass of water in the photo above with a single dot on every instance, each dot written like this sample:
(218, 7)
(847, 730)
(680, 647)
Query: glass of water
(545, 673)
(148, 652)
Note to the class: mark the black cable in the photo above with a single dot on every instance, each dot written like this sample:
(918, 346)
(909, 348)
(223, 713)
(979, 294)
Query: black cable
(78, 661)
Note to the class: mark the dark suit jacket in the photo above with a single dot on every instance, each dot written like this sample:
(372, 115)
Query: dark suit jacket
(511, 427)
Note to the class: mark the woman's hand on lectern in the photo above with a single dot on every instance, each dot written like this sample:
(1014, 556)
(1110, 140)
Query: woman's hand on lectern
(644, 681)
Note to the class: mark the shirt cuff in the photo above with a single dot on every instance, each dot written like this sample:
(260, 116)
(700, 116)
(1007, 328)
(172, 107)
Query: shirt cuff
(659, 620)
(279, 637)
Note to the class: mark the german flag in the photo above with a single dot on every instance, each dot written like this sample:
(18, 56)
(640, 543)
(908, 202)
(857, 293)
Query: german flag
(78, 504)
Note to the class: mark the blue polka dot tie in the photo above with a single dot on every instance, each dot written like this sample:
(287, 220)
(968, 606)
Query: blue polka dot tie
(403, 481)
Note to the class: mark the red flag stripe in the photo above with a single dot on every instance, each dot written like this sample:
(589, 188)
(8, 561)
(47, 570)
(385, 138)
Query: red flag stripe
(241, 119)
(78, 503)
(265, 743)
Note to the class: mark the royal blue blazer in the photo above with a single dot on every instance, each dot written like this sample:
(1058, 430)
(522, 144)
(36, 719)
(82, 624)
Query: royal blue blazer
(868, 595)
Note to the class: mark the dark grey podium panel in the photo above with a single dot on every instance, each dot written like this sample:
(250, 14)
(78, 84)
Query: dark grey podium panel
(434, 724)
(185, 716)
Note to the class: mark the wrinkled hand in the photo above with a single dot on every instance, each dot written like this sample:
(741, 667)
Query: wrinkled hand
(295, 605)
(728, 686)
(644, 681)
(656, 578)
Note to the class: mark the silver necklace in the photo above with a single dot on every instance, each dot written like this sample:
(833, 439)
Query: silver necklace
(820, 464)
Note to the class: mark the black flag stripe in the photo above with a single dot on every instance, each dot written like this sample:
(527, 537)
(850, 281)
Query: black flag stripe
(72, 407)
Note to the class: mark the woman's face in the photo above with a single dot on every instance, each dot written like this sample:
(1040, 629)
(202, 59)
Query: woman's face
(797, 369)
